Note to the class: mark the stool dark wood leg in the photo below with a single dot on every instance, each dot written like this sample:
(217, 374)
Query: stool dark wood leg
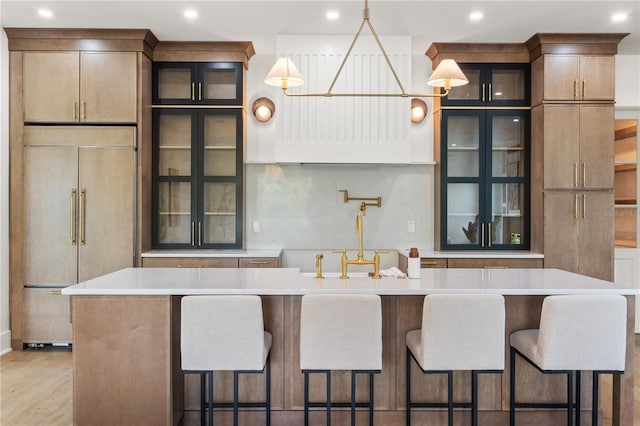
(512, 388)
(306, 398)
(474, 398)
(353, 398)
(370, 399)
(594, 407)
(578, 386)
(450, 396)
(569, 398)
(203, 398)
(408, 390)
(210, 398)
(235, 398)
(328, 398)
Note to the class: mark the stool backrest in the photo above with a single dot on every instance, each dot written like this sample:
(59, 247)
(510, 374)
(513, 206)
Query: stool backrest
(463, 332)
(341, 332)
(222, 333)
(583, 332)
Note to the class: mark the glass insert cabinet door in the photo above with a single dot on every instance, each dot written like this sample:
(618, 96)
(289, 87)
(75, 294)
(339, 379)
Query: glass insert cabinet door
(208, 83)
(484, 186)
(197, 178)
(492, 85)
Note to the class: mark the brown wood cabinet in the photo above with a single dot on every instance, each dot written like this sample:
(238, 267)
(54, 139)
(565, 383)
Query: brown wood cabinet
(577, 77)
(211, 262)
(580, 237)
(80, 87)
(485, 262)
(578, 145)
(572, 140)
(73, 194)
(79, 203)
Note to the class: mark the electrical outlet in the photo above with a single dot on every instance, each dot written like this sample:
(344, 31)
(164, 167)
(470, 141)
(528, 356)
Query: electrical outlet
(256, 226)
(411, 226)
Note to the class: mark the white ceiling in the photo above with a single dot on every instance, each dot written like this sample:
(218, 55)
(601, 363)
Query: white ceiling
(260, 21)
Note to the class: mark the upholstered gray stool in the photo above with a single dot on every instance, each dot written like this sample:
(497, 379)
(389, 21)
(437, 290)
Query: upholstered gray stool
(459, 332)
(225, 333)
(340, 332)
(577, 332)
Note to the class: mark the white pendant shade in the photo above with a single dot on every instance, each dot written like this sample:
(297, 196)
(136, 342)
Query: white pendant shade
(284, 74)
(447, 74)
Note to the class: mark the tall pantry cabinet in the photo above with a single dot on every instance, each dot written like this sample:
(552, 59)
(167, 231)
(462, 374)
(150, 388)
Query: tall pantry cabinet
(572, 153)
(77, 119)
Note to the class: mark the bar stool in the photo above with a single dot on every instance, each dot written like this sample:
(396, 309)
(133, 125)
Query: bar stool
(459, 332)
(577, 332)
(225, 333)
(340, 332)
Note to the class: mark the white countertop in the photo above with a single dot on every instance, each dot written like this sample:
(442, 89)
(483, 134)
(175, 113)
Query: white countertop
(476, 254)
(289, 281)
(212, 253)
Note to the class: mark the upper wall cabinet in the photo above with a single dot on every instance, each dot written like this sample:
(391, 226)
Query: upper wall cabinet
(492, 85)
(184, 83)
(80, 87)
(578, 77)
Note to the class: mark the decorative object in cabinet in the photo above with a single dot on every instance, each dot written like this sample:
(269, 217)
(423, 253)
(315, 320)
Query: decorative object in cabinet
(80, 87)
(197, 178)
(496, 85)
(626, 183)
(186, 83)
(484, 177)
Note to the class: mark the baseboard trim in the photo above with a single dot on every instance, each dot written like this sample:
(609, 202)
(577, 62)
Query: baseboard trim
(5, 342)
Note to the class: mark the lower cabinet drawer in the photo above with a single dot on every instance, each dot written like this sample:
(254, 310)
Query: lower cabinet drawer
(495, 263)
(189, 262)
(433, 263)
(259, 262)
(47, 317)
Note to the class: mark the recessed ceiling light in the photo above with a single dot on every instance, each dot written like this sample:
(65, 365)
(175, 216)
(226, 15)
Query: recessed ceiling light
(45, 13)
(476, 16)
(332, 15)
(191, 14)
(619, 17)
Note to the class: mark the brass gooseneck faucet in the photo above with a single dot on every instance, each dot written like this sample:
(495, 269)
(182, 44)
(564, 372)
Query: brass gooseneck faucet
(360, 260)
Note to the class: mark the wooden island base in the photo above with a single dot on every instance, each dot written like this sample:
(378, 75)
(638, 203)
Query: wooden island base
(126, 363)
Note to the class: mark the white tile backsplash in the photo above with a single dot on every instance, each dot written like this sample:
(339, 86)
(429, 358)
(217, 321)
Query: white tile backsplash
(298, 207)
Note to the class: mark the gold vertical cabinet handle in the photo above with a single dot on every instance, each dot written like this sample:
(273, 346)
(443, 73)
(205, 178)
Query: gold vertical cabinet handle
(193, 234)
(584, 89)
(482, 235)
(575, 210)
(584, 206)
(490, 94)
(83, 201)
(84, 111)
(75, 111)
(199, 91)
(584, 175)
(575, 175)
(483, 92)
(193, 91)
(199, 234)
(72, 217)
(575, 89)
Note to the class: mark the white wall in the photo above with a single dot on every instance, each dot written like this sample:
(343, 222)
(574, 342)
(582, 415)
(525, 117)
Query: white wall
(5, 333)
(627, 81)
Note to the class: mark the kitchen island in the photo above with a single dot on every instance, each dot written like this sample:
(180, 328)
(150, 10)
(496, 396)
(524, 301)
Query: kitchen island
(126, 355)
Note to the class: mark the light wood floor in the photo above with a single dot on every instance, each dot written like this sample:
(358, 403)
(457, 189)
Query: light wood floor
(36, 389)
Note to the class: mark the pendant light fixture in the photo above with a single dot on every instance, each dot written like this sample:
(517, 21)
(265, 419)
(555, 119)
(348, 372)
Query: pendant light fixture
(447, 74)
